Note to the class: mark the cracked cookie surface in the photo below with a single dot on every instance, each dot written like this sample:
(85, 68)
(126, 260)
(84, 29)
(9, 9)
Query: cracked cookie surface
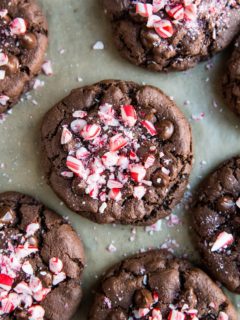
(216, 222)
(156, 285)
(117, 152)
(41, 261)
(23, 42)
(231, 83)
(172, 35)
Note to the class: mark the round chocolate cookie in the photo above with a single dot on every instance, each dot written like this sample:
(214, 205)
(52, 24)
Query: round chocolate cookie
(23, 42)
(157, 286)
(117, 152)
(169, 34)
(231, 83)
(216, 222)
(41, 261)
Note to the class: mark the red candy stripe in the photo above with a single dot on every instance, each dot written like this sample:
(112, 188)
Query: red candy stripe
(18, 26)
(55, 265)
(137, 172)
(118, 142)
(164, 28)
(176, 12)
(190, 12)
(115, 194)
(66, 136)
(75, 166)
(158, 5)
(176, 315)
(223, 240)
(6, 282)
(150, 127)
(90, 131)
(129, 115)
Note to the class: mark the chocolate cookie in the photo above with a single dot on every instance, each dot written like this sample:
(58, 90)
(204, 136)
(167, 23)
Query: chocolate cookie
(157, 286)
(231, 83)
(117, 152)
(41, 261)
(216, 222)
(23, 42)
(169, 34)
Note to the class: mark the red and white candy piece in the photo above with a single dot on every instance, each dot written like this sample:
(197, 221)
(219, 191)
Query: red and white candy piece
(7, 306)
(156, 315)
(164, 28)
(129, 115)
(176, 315)
(82, 153)
(190, 12)
(110, 159)
(78, 125)
(137, 172)
(158, 5)
(36, 313)
(139, 192)
(115, 194)
(23, 251)
(27, 267)
(47, 68)
(79, 114)
(23, 288)
(3, 100)
(35, 284)
(149, 161)
(3, 13)
(117, 142)
(18, 26)
(66, 136)
(144, 9)
(238, 203)
(6, 282)
(90, 132)
(123, 162)
(113, 184)
(26, 300)
(57, 278)
(67, 174)
(3, 59)
(142, 312)
(31, 229)
(176, 12)
(223, 240)
(107, 115)
(149, 126)
(222, 316)
(14, 299)
(76, 166)
(152, 20)
(55, 265)
(187, 2)
(41, 294)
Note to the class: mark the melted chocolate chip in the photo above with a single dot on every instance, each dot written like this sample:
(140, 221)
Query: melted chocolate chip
(160, 179)
(12, 65)
(143, 298)
(7, 215)
(225, 203)
(29, 41)
(165, 129)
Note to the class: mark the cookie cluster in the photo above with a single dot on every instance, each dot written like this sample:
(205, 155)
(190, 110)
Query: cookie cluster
(22, 284)
(103, 152)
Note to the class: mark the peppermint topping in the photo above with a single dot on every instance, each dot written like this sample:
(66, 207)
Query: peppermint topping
(21, 286)
(223, 241)
(102, 152)
(163, 15)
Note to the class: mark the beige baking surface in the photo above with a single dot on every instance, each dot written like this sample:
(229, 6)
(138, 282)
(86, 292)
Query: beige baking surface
(75, 25)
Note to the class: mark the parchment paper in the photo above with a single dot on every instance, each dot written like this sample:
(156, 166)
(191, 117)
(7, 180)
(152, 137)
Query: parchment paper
(75, 26)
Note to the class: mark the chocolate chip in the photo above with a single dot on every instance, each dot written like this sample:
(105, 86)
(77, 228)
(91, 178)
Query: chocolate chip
(165, 129)
(7, 215)
(143, 298)
(225, 203)
(28, 41)
(46, 278)
(12, 65)
(160, 179)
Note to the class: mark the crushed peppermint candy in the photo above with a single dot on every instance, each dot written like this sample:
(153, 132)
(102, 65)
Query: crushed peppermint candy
(163, 15)
(104, 154)
(223, 241)
(24, 293)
